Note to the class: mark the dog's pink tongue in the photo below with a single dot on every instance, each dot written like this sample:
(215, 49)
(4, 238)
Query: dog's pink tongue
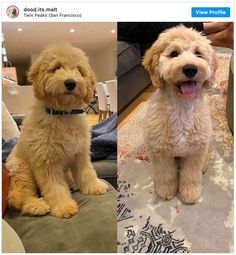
(188, 89)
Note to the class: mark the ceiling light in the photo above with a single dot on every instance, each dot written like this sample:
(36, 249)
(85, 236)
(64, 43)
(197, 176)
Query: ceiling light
(72, 30)
(19, 29)
(113, 31)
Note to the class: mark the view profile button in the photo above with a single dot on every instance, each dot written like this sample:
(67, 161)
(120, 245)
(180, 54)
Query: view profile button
(205, 12)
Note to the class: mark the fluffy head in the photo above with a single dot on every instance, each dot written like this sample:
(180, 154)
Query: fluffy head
(49, 74)
(181, 61)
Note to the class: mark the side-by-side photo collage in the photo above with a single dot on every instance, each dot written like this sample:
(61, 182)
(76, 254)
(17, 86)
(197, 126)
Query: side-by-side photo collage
(117, 137)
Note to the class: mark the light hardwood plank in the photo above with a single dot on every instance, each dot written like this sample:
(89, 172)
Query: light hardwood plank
(127, 114)
(92, 119)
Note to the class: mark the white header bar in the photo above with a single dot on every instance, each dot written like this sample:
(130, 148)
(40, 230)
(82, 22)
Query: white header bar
(117, 1)
(113, 11)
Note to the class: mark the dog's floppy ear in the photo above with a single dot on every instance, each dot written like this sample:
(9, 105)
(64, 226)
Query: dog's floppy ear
(210, 82)
(151, 63)
(91, 81)
(35, 79)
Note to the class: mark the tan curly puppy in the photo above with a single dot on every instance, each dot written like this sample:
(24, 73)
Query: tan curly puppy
(178, 126)
(52, 139)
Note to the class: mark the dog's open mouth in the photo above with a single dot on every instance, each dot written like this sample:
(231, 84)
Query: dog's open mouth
(188, 89)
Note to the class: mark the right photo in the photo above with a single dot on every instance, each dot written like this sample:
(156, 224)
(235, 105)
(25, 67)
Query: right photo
(175, 137)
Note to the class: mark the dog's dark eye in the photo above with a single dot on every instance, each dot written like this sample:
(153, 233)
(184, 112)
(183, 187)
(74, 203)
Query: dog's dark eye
(174, 54)
(198, 54)
(55, 67)
(83, 74)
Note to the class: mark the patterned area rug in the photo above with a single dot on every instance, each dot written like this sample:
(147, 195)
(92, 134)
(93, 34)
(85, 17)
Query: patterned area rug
(146, 223)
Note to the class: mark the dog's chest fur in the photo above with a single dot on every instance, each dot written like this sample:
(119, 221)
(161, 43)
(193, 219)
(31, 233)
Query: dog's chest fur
(58, 138)
(177, 129)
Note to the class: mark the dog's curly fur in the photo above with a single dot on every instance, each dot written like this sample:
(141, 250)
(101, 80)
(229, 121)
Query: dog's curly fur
(51, 144)
(177, 123)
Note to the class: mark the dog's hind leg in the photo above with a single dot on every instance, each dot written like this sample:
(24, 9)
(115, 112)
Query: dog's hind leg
(23, 190)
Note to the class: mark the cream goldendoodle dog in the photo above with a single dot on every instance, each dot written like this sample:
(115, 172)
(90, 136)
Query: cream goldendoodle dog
(178, 127)
(55, 136)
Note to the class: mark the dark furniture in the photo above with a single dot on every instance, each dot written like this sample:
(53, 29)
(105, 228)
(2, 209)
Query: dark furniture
(230, 96)
(92, 229)
(132, 77)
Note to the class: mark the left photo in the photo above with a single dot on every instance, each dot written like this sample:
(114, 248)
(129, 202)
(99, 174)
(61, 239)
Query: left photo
(59, 137)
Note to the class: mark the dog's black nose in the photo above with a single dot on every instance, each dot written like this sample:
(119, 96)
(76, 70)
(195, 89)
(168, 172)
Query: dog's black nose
(70, 84)
(190, 70)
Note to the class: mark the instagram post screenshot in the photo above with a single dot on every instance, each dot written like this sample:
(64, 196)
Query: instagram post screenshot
(117, 127)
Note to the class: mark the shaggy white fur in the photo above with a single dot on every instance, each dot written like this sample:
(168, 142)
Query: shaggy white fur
(178, 127)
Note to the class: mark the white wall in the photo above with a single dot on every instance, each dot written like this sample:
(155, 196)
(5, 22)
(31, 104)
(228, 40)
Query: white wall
(103, 61)
(33, 57)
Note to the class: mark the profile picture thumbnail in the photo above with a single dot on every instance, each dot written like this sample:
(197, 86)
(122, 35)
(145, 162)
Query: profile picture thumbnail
(12, 11)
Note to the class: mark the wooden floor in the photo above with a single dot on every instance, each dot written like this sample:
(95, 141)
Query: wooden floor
(126, 114)
(92, 119)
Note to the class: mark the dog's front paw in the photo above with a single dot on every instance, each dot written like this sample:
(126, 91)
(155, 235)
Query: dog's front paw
(190, 194)
(95, 187)
(36, 206)
(65, 209)
(166, 191)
